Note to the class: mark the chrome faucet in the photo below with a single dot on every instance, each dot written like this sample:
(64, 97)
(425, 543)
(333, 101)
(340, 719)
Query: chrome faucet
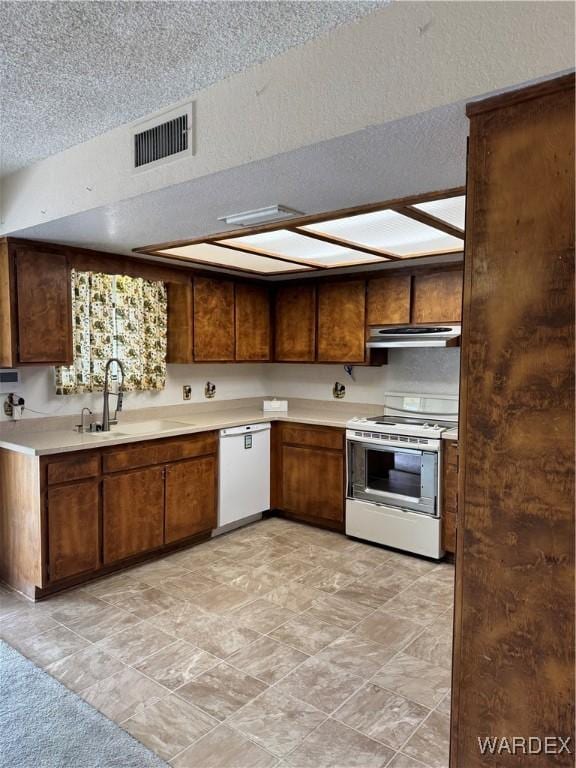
(106, 420)
(80, 427)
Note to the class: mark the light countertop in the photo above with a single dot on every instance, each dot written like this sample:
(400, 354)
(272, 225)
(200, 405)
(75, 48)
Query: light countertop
(56, 435)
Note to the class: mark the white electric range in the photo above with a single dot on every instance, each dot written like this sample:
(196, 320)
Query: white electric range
(394, 487)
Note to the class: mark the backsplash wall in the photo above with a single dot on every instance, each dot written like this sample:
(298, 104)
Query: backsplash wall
(232, 381)
(426, 371)
(416, 370)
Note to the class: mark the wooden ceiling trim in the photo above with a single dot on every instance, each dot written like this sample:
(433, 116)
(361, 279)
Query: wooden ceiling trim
(429, 220)
(308, 219)
(349, 244)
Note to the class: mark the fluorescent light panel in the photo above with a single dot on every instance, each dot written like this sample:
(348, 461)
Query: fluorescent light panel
(260, 216)
(225, 257)
(283, 243)
(389, 231)
(451, 210)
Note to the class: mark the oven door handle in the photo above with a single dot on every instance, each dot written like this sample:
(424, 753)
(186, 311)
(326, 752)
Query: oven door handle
(390, 448)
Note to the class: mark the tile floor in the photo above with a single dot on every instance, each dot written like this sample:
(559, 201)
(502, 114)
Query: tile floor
(274, 645)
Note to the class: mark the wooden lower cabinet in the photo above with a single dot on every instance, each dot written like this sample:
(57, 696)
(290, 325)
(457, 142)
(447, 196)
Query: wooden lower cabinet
(73, 513)
(191, 493)
(133, 513)
(308, 469)
(449, 494)
(312, 483)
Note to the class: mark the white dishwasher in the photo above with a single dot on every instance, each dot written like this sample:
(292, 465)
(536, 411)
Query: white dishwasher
(244, 474)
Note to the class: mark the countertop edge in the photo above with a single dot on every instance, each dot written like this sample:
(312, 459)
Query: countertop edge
(97, 442)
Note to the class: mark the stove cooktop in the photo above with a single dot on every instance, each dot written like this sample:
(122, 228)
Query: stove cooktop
(402, 421)
(403, 425)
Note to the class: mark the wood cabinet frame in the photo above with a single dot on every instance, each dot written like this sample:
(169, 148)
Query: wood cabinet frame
(26, 482)
(514, 620)
(329, 441)
(182, 310)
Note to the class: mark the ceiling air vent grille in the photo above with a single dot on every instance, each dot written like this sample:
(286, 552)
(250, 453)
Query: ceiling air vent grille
(161, 141)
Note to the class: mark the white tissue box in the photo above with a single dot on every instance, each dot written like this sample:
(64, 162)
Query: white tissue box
(274, 406)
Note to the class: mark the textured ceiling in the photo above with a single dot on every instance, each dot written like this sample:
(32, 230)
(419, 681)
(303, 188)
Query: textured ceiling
(415, 155)
(70, 71)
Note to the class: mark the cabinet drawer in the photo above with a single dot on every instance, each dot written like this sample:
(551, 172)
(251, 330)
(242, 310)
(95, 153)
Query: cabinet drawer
(158, 452)
(63, 469)
(317, 437)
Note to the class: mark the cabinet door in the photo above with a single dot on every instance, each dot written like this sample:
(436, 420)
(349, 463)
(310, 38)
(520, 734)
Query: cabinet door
(213, 319)
(73, 529)
(389, 300)
(44, 307)
(313, 483)
(190, 498)
(295, 327)
(133, 513)
(252, 322)
(437, 297)
(342, 322)
(180, 329)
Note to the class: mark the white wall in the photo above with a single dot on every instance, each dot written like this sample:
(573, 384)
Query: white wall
(426, 371)
(232, 381)
(423, 371)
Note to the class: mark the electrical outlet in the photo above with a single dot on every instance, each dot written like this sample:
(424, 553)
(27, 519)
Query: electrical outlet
(209, 390)
(338, 390)
(186, 392)
(14, 406)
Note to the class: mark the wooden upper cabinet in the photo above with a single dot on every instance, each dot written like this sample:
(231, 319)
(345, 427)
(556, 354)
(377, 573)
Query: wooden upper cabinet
(295, 328)
(213, 320)
(180, 342)
(44, 307)
(389, 300)
(252, 322)
(437, 297)
(8, 340)
(341, 321)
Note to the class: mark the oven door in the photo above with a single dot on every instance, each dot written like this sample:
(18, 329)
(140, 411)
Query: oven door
(401, 477)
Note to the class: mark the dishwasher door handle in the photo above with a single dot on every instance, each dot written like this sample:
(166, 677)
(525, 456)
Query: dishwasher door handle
(245, 429)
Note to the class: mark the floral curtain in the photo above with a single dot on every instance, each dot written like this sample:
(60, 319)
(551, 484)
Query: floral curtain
(116, 316)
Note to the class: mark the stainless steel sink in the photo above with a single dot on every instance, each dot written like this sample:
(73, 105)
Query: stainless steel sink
(149, 427)
(152, 426)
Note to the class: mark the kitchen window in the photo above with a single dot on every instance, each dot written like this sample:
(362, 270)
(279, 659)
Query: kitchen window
(116, 316)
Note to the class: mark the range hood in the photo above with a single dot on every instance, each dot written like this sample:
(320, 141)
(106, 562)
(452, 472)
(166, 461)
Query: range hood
(401, 336)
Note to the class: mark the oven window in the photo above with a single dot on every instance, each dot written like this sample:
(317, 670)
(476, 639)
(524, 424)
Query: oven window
(394, 472)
